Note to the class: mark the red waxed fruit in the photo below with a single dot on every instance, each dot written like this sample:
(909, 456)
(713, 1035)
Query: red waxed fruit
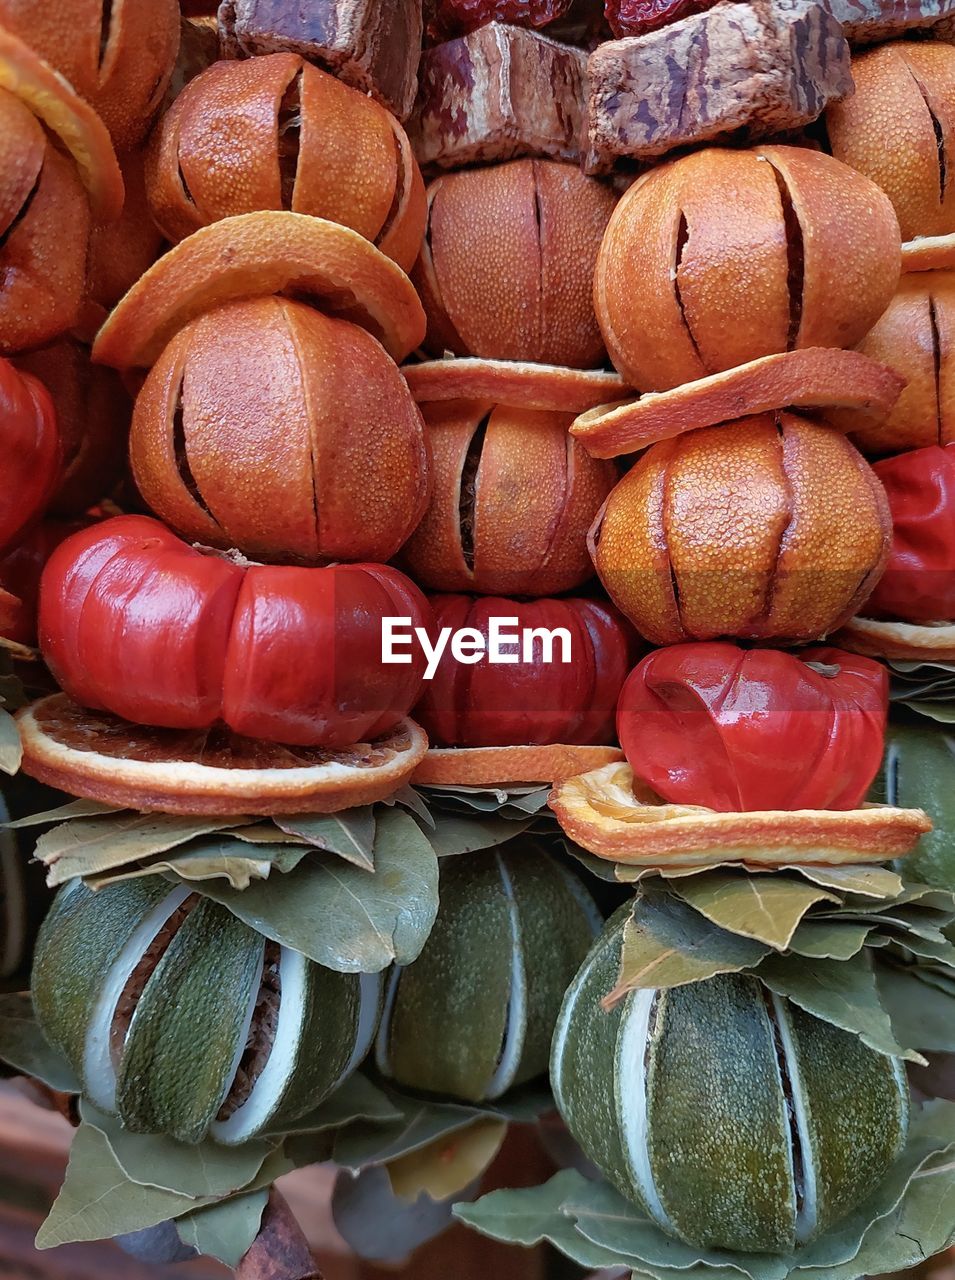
(637, 17)
(754, 729)
(32, 454)
(919, 581)
(489, 704)
(135, 622)
(451, 18)
(20, 570)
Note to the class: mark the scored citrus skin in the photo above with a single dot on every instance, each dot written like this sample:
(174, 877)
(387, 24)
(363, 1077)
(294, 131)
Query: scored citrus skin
(898, 128)
(255, 255)
(721, 257)
(507, 265)
(512, 499)
(275, 132)
(270, 427)
(772, 526)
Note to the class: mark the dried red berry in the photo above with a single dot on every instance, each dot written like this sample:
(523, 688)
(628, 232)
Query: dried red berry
(637, 17)
(450, 18)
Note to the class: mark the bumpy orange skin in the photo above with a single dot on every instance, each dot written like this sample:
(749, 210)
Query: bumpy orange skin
(262, 427)
(506, 269)
(703, 267)
(771, 527)
(887, 130)
(915, 337)
(225, 147)
(512, 500)
(124, 250)
(121, 69)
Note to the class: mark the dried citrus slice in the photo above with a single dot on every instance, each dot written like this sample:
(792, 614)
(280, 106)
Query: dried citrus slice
(816, 378)
(254, 255)
(616, 817)
(514, 382)
(53, 100)
(929, 253)
(500, 766)
(899, 641)
(100, 757)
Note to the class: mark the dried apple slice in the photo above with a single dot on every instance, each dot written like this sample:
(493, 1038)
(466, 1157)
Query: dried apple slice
(501, 766)
(614, 816)
(816, 378)
(100, 757)
(899, 641)
(929, 253)
(255, 255)
(513, 382)
(54, 101)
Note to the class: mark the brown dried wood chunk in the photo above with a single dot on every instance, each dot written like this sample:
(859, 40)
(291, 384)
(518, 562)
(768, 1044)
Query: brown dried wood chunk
(869, 21)
(498, 93)
(751, 69)
(371, 45)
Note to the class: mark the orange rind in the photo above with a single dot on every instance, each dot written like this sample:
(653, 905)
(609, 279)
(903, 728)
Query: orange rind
(898, 641)
(502, 766)
(257, 255)
(99, 757)
(929, 253)
(514, 382)
(815, 378)
(611, 814)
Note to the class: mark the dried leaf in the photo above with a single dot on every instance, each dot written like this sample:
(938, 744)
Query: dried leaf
(871, 882)
(11, 749)
(447, 1166)
(765, 908)
(350, 834)
(23, 1046)
(454, 835)
(922, 1014)
(356, 1099)
(225, 1231)
(829, 940)
(63, 812)
(376, 1224)
(201, 860)
(419, 1124)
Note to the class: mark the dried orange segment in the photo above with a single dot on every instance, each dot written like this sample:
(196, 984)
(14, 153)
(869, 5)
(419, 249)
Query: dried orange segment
(514, 382)
(815, 378)
(256, 255)
(500, 766)
(52, 99)
(610, 814)
(898, 641)
(929, 253)
(100, 757)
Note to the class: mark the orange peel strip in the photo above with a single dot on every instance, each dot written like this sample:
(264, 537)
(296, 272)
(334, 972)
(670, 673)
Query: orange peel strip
(816, 378)
(499, 766)
(603, 813)
(60, 748)
(516, 383)
(53, 100)
(929, 253)
(901, 641)
(254, 255)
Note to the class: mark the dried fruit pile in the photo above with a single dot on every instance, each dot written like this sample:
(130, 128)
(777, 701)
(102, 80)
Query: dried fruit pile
(477, 599)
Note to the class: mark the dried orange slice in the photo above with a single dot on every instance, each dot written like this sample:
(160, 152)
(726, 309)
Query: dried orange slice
(616, 817)
(929, 253)
(500, 766)
(100, 757)
(53, 100)
(815, 378)
(254, 255)
(898, 641)
(515, 383)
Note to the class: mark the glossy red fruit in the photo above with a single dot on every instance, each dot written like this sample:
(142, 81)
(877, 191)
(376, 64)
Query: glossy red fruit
(451, 18)
(135, 622)
(31, 451)
(919, 581)
(741, 729)
(637, 17)
(528, 702)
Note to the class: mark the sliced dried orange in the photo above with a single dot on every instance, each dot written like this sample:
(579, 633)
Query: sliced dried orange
(514, 382)
(898, 641)
(254, 255)
(614, 816)
(929, 253)
(100, 757)
(53, 100)
(815, 378)
(500, 766)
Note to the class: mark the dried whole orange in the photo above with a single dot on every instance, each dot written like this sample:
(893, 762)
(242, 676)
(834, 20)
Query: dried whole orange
(122, 250)
(722, 257)
(506, 268)
(270, 427)
(277, 133)
(898, 128)
(769, 527)
(512, 500)
(118, 56)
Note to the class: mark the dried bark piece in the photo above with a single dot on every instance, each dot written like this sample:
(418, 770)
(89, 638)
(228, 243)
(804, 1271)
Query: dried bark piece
(372, 46)
(762, 67)
(498, 93)
(869, 21)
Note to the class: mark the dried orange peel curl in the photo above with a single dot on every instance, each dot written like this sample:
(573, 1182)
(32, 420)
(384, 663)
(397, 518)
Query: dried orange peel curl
(505, 766)
(816, 378)
(929, 253)
(517, 383)
(899, 641)
(257, 255)
(53, 101)
(610, 814)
